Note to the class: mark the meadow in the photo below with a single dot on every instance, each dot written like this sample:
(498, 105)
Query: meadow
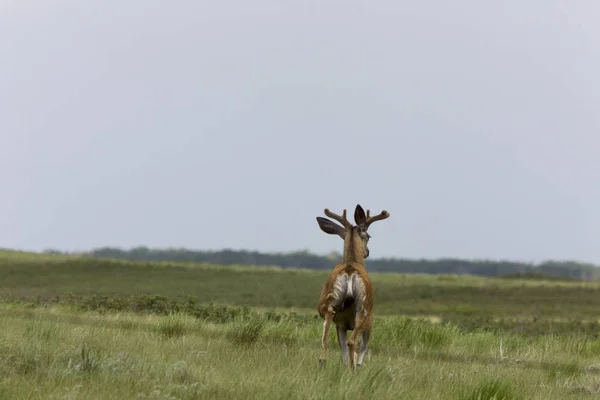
(103, 329)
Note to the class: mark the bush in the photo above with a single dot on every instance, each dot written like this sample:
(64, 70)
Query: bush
(158, 305)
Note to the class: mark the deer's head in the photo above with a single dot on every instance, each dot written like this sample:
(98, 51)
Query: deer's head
(356, 237)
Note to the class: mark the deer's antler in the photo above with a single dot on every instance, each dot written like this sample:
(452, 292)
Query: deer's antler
(383, 215)
(342, 220)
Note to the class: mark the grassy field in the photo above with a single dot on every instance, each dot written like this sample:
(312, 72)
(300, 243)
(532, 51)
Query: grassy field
(95, 329)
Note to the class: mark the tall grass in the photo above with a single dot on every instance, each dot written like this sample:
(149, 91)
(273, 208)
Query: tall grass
(57, 352)
(95, 329)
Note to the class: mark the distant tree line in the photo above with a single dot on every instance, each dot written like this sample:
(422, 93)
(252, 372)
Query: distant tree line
(305, 259)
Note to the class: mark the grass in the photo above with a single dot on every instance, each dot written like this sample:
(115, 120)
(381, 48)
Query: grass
(79, 328)
(494, 388)
(515, 305)
(51, 351)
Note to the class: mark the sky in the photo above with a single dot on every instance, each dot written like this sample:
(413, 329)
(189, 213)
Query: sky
(222, 124)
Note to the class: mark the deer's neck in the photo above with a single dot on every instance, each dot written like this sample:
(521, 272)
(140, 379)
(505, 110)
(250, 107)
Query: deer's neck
(353, 248)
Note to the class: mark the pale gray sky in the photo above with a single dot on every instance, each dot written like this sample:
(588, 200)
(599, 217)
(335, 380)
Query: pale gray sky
(214, 124)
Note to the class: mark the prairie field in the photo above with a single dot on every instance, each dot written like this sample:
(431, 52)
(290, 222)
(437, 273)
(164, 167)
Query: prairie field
(77, 328)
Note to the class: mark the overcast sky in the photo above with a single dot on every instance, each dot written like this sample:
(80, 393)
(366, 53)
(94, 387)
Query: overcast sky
(222, 124)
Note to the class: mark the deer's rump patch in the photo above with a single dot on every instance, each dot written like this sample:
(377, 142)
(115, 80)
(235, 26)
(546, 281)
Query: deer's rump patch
(348, 292)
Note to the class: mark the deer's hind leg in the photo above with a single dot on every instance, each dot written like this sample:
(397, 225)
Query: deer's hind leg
(325, 337)
(341, 334)
(332, 301)
(361, 318)
(358, 329)
(366, 335)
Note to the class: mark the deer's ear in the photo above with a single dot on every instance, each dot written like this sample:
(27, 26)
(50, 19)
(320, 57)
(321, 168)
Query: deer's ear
(359, 216)
(331, 228)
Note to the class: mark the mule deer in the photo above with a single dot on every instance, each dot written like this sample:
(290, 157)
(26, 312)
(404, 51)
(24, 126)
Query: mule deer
(347, 296)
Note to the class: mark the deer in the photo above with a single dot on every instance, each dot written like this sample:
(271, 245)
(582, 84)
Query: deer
(347, 296)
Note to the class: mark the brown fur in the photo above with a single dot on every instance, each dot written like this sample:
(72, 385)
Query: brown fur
(352, 311)
(349, 268)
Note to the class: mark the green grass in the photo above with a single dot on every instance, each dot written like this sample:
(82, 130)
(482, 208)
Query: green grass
(514, 305)
(97, 329)
(53, 352)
